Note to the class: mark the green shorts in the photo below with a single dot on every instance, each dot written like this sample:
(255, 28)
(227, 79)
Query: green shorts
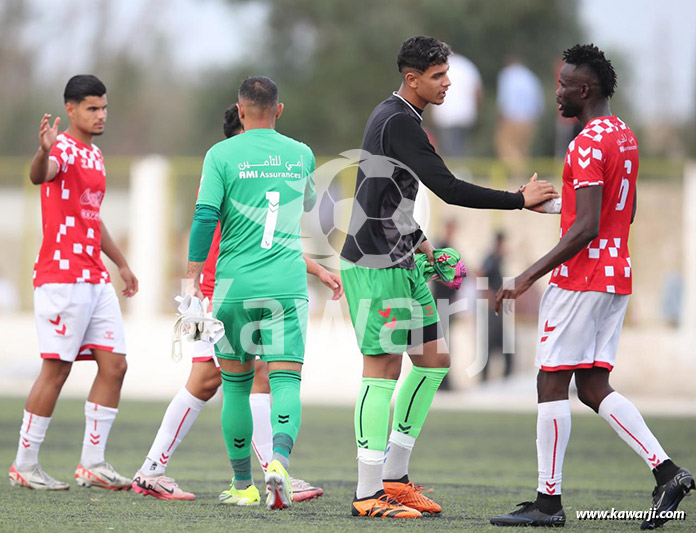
(389, 307)
(274, 330)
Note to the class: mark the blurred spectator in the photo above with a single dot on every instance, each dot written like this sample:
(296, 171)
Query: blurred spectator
(492, 269)
(520, 105)
(456, 117)
(672, 290)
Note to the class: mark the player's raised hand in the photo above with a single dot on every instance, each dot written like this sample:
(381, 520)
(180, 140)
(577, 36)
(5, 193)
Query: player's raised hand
(511, 289)
(48, 135)
(333, 282)
(130, 280)
(537, 191)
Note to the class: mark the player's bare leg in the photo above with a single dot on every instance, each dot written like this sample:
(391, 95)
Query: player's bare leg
(44, 394)
(101, 408)
(672, 482)
(204, 380)
(25, 471)
(111, 369)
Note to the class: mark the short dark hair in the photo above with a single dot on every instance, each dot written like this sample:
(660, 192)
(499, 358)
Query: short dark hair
(81, 86)
(259, 90)
(232, 125)
(589, 57)
(422, 52)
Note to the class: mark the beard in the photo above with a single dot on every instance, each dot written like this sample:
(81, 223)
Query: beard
(569, 110)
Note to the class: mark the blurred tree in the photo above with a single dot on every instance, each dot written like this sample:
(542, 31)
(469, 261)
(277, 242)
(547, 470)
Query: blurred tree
(16, 64)
(334, 61)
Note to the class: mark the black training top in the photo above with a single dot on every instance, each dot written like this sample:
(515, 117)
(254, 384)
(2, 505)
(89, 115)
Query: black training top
(396, 156)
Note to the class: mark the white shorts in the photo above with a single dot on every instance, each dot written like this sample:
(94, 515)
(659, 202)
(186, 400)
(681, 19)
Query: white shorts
(579, 329)
(72, 319)
(202, 352)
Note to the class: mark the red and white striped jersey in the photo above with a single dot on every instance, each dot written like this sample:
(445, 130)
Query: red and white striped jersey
(70, 211)
(604, 153)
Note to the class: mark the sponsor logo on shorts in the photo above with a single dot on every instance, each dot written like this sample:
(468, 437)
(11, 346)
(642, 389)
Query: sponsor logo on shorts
(385, 314)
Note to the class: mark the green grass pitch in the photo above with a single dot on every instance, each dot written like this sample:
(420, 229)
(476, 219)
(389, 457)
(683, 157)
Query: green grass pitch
(478, 464)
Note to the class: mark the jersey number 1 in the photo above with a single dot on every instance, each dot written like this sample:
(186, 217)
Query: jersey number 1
(625, 184)
(273, 198)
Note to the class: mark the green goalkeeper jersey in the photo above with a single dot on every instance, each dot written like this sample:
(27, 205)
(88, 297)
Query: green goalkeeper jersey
(261, 182)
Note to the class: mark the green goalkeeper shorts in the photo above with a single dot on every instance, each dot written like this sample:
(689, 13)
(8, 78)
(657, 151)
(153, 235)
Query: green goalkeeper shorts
(389, 307)
(274, 330)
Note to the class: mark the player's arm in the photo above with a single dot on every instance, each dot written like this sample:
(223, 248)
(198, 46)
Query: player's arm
(428, 249)
(635, 206)
(42, 168)
(331, 280)
(409, 144)
(205, 220)
(588, 203)
(113, 252)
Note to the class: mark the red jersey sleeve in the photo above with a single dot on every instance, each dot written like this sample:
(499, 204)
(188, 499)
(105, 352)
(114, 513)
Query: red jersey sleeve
(587, 163)
(61, 156)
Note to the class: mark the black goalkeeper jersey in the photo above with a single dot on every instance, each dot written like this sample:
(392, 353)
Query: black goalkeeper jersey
(397, 155)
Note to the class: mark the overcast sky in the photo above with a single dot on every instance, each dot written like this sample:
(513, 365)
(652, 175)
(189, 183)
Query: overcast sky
(657, 40)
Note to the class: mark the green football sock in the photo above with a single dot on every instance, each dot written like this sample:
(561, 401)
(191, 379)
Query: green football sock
(414, 399)
(372, 413)
(237, 423)
(286, 411)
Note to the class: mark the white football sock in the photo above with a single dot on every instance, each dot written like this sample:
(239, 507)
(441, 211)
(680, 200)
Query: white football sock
(31, 435)
(397, 455)
(623, 416)
(370, 463)
(98, 421)
(553, 434)
(178, 419)
(262, 438)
